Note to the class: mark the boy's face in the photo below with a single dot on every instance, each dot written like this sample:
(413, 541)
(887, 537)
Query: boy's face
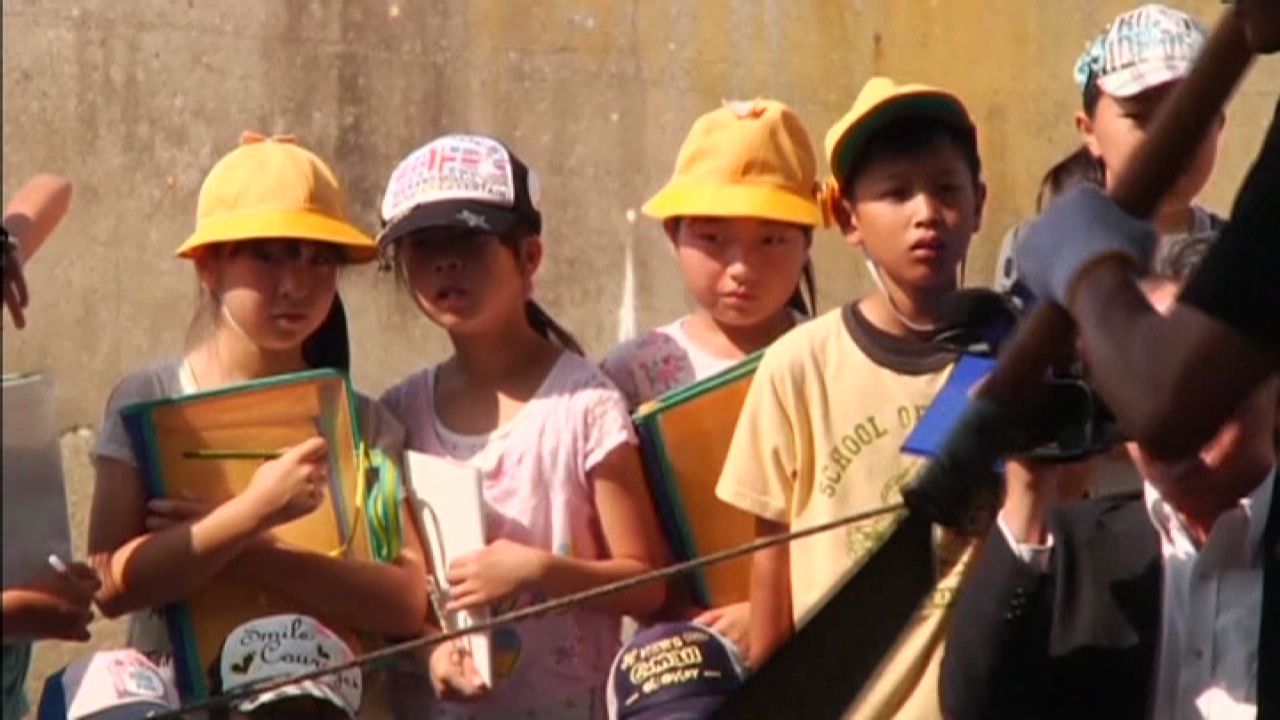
(1261, 20)
(914, 215)
(1118, 127)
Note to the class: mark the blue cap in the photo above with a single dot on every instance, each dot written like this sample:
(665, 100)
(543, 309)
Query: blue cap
(673, 671)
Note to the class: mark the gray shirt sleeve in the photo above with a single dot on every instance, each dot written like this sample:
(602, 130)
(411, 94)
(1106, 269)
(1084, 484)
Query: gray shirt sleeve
(150, 383)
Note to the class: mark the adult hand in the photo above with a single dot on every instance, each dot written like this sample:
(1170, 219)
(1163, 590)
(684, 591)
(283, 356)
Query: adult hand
(291, 486)
(454, 676)
(1076, 230)
(1031, 489)
(55, 606)
(498, 571)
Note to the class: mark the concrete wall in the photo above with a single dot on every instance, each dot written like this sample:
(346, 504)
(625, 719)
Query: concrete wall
(134, 101)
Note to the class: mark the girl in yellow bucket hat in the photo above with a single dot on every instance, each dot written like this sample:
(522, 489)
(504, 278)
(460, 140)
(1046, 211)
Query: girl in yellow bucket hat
(271, 234)
(740, 211)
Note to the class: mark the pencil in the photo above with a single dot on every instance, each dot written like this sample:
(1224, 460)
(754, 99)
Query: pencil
(231, 454)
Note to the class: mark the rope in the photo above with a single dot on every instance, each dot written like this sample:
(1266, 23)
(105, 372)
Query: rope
(546, 608)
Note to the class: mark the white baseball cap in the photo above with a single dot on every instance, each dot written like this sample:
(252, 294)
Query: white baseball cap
(1141, 49)
(280, 646)
(107, 685)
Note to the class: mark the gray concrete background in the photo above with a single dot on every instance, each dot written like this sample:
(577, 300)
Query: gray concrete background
(134, 101)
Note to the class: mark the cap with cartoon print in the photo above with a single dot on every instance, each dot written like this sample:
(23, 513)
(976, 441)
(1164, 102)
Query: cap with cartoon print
(1143, 48)
(471, 182)
(107, 685)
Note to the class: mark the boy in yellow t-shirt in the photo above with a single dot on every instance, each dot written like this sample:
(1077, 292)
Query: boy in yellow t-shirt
(833, 400)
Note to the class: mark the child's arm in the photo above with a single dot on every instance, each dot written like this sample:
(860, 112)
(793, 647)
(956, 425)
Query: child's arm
(630, 532)
(141, 569)
(383, 598)
(771, 623)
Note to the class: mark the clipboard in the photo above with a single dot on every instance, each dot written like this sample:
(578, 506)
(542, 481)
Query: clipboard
(34, 495)
(948, 406)
(448, 502)
(684, 440)
(272, 413)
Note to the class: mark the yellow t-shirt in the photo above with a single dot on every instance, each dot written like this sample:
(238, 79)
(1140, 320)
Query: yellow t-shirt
(819, 438)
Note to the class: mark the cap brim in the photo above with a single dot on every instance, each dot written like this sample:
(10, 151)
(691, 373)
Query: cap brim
(1140, 78)
(306, 688)
(934, 104)
(700, 707)
(465, 214)
(130, 711)
(689, 199)
(294, 224)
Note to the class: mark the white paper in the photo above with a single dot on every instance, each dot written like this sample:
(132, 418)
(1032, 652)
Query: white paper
(35, 497)
(449, 501)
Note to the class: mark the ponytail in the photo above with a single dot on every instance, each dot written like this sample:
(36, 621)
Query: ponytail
(1078, 168)
(548, 328)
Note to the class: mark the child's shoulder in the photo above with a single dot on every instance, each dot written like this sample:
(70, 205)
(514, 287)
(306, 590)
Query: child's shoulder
(156, 381)
(650, 364)
(403, 391)
(575, 374)
(645, 348)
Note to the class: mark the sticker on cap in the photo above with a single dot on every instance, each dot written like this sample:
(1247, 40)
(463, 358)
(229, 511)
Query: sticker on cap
(134, 679)
(453, 167)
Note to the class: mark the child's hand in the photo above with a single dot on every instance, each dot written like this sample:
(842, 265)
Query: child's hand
(733, 622)
(500, 570)
(165, 513)
(56, 606)
(291, 486)
(453, 673)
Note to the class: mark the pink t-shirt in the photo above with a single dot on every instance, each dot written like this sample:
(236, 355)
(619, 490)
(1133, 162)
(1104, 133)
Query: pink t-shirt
(537, 492)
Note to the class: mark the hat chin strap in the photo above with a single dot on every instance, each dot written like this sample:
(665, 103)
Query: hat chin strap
(874, 269)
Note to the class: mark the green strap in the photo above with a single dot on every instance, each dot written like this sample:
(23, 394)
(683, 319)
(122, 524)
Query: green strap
(382, 512)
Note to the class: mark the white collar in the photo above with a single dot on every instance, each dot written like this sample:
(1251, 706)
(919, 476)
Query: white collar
(1256, 507)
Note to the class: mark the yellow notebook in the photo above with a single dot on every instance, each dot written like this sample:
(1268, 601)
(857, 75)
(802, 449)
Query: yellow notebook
(178, 441)
(685, 438)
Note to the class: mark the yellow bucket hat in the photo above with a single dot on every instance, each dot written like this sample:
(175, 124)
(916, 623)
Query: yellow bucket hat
(881, 101)
(749, 158)
(274, 188)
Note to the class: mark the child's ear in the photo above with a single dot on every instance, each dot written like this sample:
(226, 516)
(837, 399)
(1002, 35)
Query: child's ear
(1084, 125)
(207, 270)
(530, 255)
(846, 219)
